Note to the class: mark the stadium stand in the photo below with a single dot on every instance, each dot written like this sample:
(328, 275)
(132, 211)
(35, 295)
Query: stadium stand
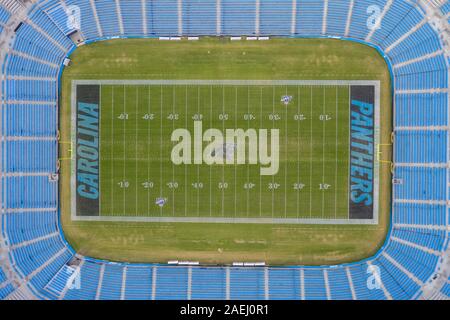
(36, 262)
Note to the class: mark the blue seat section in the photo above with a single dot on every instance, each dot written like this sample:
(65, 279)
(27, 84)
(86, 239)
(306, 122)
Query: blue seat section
(29, 120)
(30, 41)
(5, 291)
(31, 90)
(172, 283)
(275, 17)
(30, 257)
(420, 183)
(199, 17)
(112, 282)
(420, 263)
(421, 42)
(421, 146)
(425, 74)
(87, 20)
(339, 284)
(425, 109)
(138, 283)
(208, 284)
(89, 278)
(60, 15)
(46, 24)
(361, 279)
(423, 80)
(423, 66)
(247, 284)
(4, 17)
(396, 282)
(338, 11)
(131, 11)
(433, 239)
(21, 66)
(18, 154)
(238, 17)
(446, 288)
(25, 226)
(362, 17)
(61, 281)
(314, 284)
(5, 288)
(309, 17)
(4, 14)
(445, 8)
(29, 192)
(164, 17)
(107, 14)
(419, 214)
(43, 277)
(399, 19)
(284, 284)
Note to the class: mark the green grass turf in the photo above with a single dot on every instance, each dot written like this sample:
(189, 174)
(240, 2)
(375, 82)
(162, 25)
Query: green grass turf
(136, 127)
(282, 59)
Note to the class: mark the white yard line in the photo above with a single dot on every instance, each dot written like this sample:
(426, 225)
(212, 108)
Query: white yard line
(136, 150)
(173, 166)
(261, 125)
(235, 167)
(112, 152)
(336, 166)
(185, 167)
(223, 167)
(124, 147)
(311, 154)
(323, 154)
(198, 167)
(298, 150)
(161, 149)
(248, 167)
(273, 123)
(286, 164)
(210, 167)
(149, 137)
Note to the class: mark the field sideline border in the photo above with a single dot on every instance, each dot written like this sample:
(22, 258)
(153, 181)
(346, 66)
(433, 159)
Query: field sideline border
(317, 221)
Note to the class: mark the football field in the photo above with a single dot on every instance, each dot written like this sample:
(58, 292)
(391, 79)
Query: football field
(307, 167)
(219, 151)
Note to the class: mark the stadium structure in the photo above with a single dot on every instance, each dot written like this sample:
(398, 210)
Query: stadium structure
(37, 39)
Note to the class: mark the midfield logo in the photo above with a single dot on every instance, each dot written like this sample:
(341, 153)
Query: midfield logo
(229, 150)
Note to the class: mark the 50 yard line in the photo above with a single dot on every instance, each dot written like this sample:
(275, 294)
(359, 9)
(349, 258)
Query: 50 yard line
(185, 167)
(286, 163)
(210, 167)
(173, 166)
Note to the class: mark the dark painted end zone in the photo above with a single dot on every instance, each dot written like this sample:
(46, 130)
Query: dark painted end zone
(362, 125)
(87, 150)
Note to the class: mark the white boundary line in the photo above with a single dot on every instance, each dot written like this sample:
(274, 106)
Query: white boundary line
(376, 84)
